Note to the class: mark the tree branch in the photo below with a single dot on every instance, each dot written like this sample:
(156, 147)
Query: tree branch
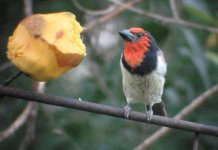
(30, 133)
(174, 9)
(185, 111)
(31, 107)
(166, 20)
(109, 110)
(11, 78)
(5, 66)
(196, 142)
(27, 12)
(28, 7)
(29, 137)
(93, 12)
(37, 87)
(21, 119)
(95, 71)
(107, 17)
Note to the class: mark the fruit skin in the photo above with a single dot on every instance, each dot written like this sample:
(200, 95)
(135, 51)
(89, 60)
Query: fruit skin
(44, 46)
(143, 68)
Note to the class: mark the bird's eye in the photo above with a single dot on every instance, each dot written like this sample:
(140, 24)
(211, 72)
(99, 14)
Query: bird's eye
(140, 34)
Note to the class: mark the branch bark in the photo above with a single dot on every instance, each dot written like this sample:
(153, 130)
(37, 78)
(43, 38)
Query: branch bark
(109, 110)
(185, 111)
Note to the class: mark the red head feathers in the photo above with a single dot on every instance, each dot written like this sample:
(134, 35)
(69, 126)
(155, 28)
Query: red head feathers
(137, 43)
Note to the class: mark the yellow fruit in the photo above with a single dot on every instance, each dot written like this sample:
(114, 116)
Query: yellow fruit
(44, 46)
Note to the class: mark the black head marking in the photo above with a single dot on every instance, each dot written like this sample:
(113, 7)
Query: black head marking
(148, 64)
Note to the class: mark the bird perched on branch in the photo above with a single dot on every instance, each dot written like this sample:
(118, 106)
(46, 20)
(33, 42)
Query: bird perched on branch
(143, 68)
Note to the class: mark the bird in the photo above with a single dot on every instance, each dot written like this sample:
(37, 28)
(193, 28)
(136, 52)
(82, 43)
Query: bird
(143, 69)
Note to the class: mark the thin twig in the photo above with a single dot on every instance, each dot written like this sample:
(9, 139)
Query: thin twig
(96, 74)
(5, 66)
(28, 9)
(94, 12)
(185, 111)
(30, 133)
(166, 20)
(196, 142)
(109, 110)
(107, 17)
(174, 9)
(11, 78)
(21, 119)
(27, 12)
(38, 87)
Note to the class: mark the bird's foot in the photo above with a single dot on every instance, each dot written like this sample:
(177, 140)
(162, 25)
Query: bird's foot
(127, 109)
(149, 116)
(149, 113)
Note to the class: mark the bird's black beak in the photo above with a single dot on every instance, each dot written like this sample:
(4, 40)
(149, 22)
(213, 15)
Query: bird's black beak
(127, 35)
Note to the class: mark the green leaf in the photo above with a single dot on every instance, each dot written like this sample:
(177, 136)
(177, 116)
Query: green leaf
(212, 57)
(198, 15)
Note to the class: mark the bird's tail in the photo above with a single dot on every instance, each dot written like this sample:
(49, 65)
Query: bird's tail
(159, 109)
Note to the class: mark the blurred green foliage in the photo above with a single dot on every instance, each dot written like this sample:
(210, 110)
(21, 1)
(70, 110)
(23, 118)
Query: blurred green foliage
(192, 58)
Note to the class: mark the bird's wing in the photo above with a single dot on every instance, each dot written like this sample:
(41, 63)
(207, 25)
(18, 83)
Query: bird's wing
(162, 65)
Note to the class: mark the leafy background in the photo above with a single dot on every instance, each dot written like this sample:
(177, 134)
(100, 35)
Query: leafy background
(192, 58)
